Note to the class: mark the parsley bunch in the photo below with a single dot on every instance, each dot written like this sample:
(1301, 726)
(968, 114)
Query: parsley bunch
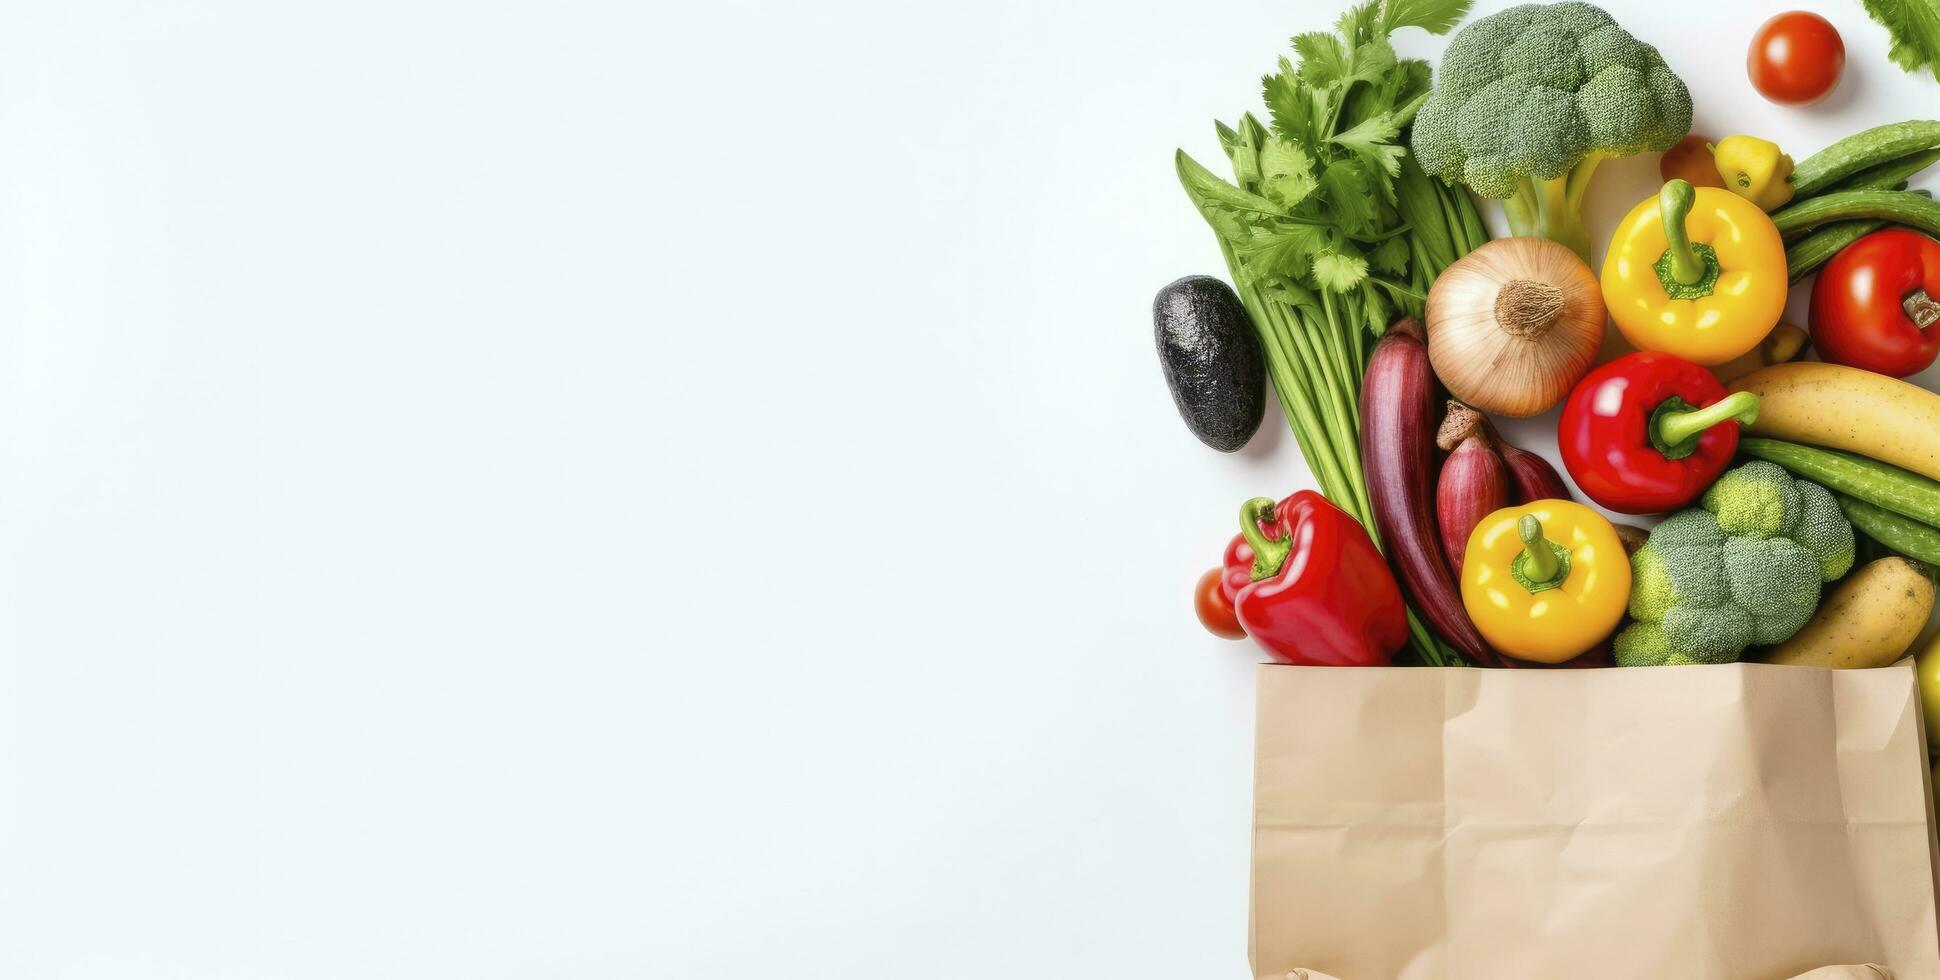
(1330, 229)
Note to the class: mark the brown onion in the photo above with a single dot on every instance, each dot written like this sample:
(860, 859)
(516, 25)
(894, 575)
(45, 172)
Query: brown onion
(1514, 324)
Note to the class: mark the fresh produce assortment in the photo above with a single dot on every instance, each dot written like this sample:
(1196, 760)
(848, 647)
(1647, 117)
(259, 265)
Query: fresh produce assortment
(1794, 478)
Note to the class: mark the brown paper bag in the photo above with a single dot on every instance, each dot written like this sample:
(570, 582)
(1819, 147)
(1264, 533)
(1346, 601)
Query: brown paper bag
(1737, 822)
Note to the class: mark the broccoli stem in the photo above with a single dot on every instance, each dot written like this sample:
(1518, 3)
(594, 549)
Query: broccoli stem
(1553, 209)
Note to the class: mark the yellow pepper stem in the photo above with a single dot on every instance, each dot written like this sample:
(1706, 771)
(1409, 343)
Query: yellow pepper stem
(1543, 564)
(1674, 203)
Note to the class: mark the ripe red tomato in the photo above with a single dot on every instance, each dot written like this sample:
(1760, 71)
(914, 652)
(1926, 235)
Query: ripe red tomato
(1874, 304)
(1795, 58)
(1215, 611)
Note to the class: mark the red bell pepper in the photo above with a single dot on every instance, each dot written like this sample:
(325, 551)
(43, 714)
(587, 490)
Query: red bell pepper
(1876, 303)
(1648, 432)
(1310, 587)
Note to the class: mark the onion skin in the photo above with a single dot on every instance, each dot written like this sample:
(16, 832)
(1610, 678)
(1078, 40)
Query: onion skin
(1514, 324)
(1533, 476)
(1398, 456)
(1474, 483)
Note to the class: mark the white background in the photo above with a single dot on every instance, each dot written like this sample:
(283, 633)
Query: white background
(515, 489)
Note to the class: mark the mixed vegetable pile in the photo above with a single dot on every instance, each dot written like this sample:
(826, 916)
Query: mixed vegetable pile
(1799, 499)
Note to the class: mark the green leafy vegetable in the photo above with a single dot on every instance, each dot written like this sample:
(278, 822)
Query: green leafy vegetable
(1915, 27)
(1330, 228)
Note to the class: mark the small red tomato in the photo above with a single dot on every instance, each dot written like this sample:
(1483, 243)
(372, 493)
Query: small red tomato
(1690, 160)
(1214, 609)
(1876, 304)
(1795, 58)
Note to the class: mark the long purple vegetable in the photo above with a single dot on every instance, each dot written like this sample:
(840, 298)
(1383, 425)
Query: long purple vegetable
(1398, 456)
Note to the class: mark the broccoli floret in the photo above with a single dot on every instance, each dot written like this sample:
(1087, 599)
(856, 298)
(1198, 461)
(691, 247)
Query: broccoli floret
(1756, 500)
(1531, 99)
(1743, 570)
(1824, 530)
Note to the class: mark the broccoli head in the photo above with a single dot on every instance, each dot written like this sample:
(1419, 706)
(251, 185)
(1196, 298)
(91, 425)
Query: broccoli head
(1530, 100)
(1743, 570)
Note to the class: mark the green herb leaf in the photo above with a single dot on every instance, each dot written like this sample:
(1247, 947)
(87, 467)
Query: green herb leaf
(1288, 105)
(1338, 272)
(1323, 58)
(1371, 61)
(1433, 16)
(1283, 249)
(1359, 23)
(1350, 195)
(1376, 311)
(1391, 256)
(1371, 140)
(1287, 172)
(1915, 27)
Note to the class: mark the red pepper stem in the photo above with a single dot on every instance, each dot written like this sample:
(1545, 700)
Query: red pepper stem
(1269, 554)
(1678, 428)
(1923, 309)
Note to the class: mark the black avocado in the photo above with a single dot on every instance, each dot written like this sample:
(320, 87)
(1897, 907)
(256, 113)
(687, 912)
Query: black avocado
(1212, 361)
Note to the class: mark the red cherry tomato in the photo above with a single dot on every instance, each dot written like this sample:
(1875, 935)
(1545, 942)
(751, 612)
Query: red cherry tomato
(1690, 160)
(1214, 609)
(1795, 58)
(1876, 305)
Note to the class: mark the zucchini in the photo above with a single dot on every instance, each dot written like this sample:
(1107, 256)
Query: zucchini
(1898, 532)
(1862, 150)
(1804, 256)
(1880, 484)
(1891, 175)
(1910, 208)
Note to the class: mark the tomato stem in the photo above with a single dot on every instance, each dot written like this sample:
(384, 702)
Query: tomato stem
(1924, 309)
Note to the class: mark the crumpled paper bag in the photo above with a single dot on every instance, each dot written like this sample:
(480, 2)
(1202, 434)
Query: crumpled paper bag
(1868, 971)
(1704, 822)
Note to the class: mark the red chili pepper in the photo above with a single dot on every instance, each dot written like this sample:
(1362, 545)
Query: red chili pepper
(1648, 432)
(1876, 303)
(1311, 587)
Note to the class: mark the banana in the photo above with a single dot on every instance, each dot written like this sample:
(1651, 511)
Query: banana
(1867, 621)
(1847, 408)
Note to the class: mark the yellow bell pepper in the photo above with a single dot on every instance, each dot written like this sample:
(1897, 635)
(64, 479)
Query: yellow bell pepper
(1696, 272)
(1754, 169)
(1545, 581)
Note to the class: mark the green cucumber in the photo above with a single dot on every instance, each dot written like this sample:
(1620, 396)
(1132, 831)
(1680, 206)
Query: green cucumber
(1910, 208)
(1891, 175)
(1879, 484)
(1804, 256)
(1862, 150)
(1920, 542)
